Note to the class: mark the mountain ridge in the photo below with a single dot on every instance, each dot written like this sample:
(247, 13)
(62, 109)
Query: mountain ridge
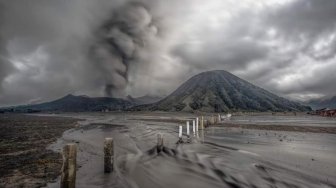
(82, 103)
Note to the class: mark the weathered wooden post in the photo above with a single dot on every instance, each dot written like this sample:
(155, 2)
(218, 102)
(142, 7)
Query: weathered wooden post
(194, 127)
(108, 155)
(197, 124)
(202, 123)
(219, 119)
(159, 143)
(188, 131)
(180, 134)
(68, 177)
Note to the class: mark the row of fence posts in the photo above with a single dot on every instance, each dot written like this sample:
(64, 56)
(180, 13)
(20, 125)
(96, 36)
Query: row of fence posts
(198, 124)
(68, 177)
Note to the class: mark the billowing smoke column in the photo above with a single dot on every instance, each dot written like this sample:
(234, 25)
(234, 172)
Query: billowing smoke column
(120, 42)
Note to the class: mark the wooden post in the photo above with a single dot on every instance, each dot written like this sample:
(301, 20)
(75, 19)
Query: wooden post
(197, 124)
(108, 155)
(219, 119)
(188, 131)
(68, 177)
(159, 143)
(202, 123)
(194, 127)
(180, 135)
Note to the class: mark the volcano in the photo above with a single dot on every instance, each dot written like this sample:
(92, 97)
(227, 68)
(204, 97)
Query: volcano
(221, 91)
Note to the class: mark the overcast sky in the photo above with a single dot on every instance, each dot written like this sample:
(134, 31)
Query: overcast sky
(52, 48)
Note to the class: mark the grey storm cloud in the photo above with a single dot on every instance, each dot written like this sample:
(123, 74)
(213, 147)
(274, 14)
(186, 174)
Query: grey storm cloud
(121, 47)
(309, 28)
(5, 66)
(306, 22)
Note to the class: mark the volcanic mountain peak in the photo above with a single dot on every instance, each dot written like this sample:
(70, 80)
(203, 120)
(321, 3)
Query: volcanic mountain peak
(218, 91)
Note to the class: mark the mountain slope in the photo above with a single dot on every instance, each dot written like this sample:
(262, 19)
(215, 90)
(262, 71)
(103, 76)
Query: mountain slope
(71, 103)
(218, 91)
(323, 103)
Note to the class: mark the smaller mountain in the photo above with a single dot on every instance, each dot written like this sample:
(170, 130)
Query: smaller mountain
(71, 103)
(323, 103)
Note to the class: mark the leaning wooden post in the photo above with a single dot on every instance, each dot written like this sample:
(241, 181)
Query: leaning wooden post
(68, 178)
(108, 155)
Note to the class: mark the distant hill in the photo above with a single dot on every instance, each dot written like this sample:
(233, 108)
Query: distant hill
(221, 91)
(71, 103)
(323, 103)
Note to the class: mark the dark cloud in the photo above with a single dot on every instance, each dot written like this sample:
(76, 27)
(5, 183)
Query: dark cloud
(5, 66)
(308, 23)
(307, 18)
(308, 27)
(231, 55)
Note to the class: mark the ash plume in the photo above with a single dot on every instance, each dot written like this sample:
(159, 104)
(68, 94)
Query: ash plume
(120, 42)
